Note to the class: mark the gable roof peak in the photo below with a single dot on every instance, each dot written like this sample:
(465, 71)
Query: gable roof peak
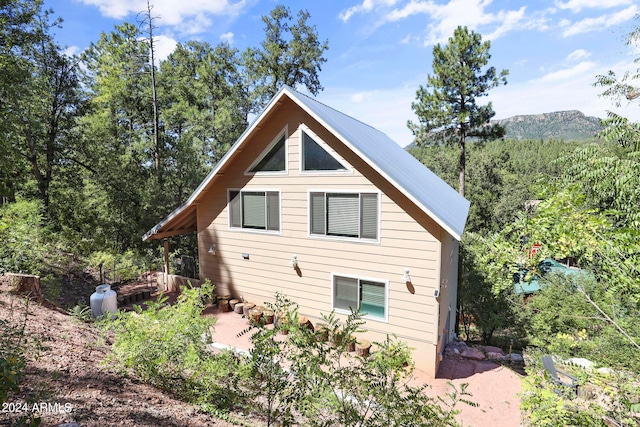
(424, 188)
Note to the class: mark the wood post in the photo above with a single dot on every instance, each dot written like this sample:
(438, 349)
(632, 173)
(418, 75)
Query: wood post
(166, 256)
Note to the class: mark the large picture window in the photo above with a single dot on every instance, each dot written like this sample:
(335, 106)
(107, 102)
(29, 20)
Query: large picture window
(352, 215)
(367, 296)
(256, 210)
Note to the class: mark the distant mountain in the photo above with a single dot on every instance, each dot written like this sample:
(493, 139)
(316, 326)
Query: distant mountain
(567, 125)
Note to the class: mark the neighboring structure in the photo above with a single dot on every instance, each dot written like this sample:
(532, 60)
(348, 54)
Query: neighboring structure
(364, 221)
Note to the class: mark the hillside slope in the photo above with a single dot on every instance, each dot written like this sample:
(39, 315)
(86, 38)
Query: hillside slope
(570, 125)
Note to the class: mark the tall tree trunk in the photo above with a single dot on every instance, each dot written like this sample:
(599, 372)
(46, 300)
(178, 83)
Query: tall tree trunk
(154, 90)
(462, 165)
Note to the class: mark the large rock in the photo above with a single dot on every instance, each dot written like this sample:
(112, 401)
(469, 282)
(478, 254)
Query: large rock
(493, 352)
(455, 348)
(513, 357)
(581, 362)
(473, 353)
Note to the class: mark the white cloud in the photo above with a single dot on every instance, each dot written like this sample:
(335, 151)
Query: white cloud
(578, 5)
(414, 7)
(578, 54)
(188, 16)
(227, 37)
(365, 6)
(559, 92)
(447, 17)
(510, 20)
(601, 22)
(568, 73)
(164, 45)
(71, 50)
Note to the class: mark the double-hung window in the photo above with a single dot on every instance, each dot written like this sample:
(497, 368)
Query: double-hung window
(254, 210)
(353, 215)
(367, 296)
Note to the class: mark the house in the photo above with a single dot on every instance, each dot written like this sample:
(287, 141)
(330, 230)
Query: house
(364, 221)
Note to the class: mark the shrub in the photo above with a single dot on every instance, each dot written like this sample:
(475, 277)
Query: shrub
(604, 399)
(120, 267)
(21, 233)
(309, 380)
(15, 348)
(164, 346)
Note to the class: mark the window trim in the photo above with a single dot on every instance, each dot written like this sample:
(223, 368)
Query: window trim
(359, 279)
(284, 132)
(344, 238)
(305, 129)
(248, 229)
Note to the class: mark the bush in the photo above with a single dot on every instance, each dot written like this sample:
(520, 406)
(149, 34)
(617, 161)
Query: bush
(15, 348)
(309, 380)
(21, 233)
(604, 399)
(164, 346)
(120, 267)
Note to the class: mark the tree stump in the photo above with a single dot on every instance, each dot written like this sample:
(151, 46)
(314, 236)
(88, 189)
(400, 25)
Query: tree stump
(223, 305)
(25, 284)
(322, 332)
(268, 316)
(351, 344)
(362, 348)
(238, 307)
(246, 307)
(305, 323)
(233, 302)
(283, 324)
(254, 315)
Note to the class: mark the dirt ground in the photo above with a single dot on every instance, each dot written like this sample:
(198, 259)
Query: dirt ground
(69, 382)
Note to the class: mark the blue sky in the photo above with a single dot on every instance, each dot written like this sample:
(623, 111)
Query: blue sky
(380, 51)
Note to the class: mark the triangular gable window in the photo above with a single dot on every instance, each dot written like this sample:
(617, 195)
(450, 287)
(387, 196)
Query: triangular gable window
(274, 158)
(316, 158)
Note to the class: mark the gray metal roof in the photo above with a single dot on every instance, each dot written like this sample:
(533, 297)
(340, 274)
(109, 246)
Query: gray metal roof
(424, 188)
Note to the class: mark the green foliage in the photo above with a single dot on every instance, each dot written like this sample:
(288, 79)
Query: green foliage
(603, 399)
(291, 54)
(120, 266)
(22, 235)
(81, 312)
(310, 379)
(479, 304)
(446, 107)
(16, 347)
(164, 346)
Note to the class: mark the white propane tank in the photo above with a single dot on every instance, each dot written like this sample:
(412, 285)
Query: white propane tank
(103, 300)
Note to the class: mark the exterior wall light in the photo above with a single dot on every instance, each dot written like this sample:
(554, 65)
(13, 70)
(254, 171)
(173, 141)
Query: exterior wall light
(212, 249)
(294, 262)
(406, 276)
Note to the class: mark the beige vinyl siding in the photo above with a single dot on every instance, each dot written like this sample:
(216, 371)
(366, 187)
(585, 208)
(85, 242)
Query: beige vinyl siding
(403, 242)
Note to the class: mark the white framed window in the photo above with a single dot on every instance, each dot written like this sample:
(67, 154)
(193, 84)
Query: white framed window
(254, 210)
(315, 156)
(368, 296)
(347, 215)
(273, 160)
